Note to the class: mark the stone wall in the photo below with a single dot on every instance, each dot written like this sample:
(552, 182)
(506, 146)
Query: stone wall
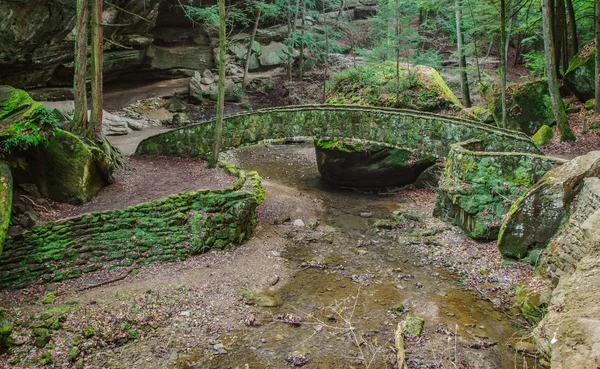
(6, 197)
(173, 228)
(478, 187)
(427, 133)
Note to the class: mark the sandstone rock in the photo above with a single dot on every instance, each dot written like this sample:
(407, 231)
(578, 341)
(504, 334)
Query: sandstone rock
(430, 177)
(542, 136)
(537, 215)
(275, 54)
(579, 77)
(188, 57)
(362, 165)
(114, 125)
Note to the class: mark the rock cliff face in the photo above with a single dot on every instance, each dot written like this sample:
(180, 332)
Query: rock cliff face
(150, 37)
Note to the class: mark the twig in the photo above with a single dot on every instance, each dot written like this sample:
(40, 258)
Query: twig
(105, 282)
(34, 204)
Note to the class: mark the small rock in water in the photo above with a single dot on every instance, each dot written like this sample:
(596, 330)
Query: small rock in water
(366, 215)
(299, 223)
(273, 280)
(297, 358)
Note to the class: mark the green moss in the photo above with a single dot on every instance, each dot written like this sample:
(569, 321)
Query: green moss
(530, 304)
(542, 136)
(13, 101)
(413, 326)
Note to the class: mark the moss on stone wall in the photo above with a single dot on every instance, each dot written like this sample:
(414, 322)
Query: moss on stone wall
(6, 195)
(542, 136)
(478, 188)
(427, 133)
(170, 229)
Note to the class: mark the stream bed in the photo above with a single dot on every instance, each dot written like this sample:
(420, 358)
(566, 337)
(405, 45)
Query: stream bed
(354, 283)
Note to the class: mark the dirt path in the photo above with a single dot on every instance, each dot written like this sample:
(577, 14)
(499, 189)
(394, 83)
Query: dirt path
(129, 143)
(146, 179)
(118, 96)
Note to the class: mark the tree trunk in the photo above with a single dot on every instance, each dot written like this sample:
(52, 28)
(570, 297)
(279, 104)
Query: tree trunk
(301, 61)
(80, 114)
(97, 56)
(574, 45)
(503, 58)
(462, 62)
(326, 77)
(214, 157)
(291, 32)
(558, 34)
(249, 53)
(475, 44)
(558, 107)
(597, 38)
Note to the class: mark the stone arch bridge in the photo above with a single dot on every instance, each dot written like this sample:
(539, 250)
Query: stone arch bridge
(427, 133)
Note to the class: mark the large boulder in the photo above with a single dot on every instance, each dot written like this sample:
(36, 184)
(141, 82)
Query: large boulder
(6, 195)
(275, 54)
(527, 106)
(536, 216)
(477, 188)
(580, 77)
(368, 165)
(59, 164)
(570, 331)
(421, 88)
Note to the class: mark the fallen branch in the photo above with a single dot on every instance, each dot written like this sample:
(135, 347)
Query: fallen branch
(400, 351)
(37, 206)
(99, 284)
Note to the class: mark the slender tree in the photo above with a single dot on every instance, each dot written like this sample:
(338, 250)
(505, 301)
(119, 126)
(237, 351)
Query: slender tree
(97, 65)
(250, 49)
(80, 115)
(558, 107)
(214, 157)
(503, 39)
(462, 62)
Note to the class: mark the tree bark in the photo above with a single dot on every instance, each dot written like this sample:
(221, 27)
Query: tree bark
(558, 107)
(291, 32)
(462, 62)
(503, 58)
(97, 58)
(214, 157)
(249, 53)
(597, 38)
(80, 114)
(301, 61)
(574, 44)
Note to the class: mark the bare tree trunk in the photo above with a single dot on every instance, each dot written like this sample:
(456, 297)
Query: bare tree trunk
(97, 56)
(503, 57)
(597, 38)
(249, 53)
(214, 156)
(558, 107)
(475, 44)
(574, 45)
(326, 77)
(80, 115)
(301, 62)
(462, 62)
(291, 32)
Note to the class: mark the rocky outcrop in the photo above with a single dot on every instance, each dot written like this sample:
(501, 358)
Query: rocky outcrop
(580, 77)
(6, 197)
(60, 164)
(478, 187)
(364, 165)
(570, 331)
(535, 217)
(527, 105)
(375, 84)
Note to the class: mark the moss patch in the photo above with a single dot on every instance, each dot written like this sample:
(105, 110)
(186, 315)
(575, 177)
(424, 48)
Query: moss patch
(542, 136)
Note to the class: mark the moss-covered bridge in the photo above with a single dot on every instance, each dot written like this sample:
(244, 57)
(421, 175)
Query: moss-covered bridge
(426, 133)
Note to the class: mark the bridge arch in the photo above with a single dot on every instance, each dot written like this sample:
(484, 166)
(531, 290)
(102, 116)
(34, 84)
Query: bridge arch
(419, 131)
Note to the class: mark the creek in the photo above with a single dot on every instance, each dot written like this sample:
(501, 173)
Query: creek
(342, 305)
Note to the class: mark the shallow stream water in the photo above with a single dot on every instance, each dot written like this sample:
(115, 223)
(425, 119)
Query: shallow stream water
(354, 285)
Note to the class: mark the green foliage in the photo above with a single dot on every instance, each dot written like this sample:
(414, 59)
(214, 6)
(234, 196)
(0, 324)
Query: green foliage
(534, 61)
(28, 132)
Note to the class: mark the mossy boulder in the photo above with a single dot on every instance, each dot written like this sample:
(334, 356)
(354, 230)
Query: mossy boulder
(579, 78)
(536, 216)
(62, 166)
(6, 195)
(6, 328)
(368, 165)
(527, 105)
(420, 88)
(542, 136)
